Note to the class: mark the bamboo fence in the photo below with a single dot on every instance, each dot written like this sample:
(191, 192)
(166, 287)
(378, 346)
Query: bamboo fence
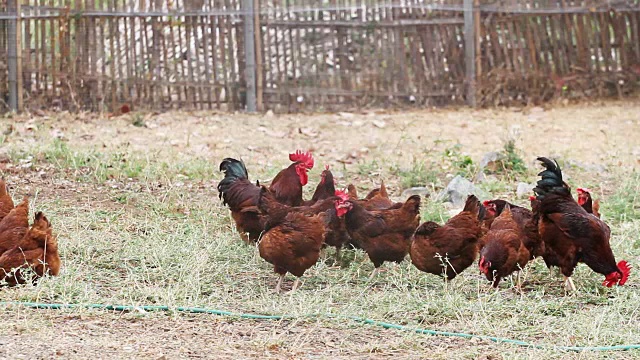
(318, 54)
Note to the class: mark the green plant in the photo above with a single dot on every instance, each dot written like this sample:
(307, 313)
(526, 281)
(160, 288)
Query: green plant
(138, 120)
(417, 175)
(462, 163)
(512, 160)
(509, 161)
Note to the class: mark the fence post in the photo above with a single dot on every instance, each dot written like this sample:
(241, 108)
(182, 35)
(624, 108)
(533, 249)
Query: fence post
(14, 56)
(250, 54)
(470, 51)
(258, 47)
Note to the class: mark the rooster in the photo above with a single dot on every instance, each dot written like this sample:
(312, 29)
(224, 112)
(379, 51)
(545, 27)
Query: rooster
(293, 236)
(449, 249)
(385, 235)
(241, 195)
(587, 203)
(570, 234)
(287, 185)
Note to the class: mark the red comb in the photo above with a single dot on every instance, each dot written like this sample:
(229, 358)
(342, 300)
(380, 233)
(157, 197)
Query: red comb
(486, 202)
(583, 190)
(326, 167)
(532, 197)
(304, 157)
(342, 194)
(625, 268)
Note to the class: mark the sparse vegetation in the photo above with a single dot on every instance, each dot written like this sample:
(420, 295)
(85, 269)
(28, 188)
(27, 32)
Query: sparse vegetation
(418, 174)
(141, 225)
(512, 159)
(461, 163)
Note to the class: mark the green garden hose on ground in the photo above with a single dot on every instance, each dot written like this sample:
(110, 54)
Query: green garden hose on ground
(331, 316)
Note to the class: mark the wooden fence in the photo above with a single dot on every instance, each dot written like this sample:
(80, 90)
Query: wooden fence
(316, 54)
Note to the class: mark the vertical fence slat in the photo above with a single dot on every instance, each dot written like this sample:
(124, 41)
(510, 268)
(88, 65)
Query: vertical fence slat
(14, 57)
(470, 51)
(250, 53)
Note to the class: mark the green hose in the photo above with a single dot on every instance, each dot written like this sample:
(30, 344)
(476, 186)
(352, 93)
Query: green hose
(286, 317)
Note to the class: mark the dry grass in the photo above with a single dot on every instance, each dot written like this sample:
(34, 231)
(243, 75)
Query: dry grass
(140, 224)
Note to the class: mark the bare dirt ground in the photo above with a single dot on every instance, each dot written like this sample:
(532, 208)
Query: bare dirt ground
(591, 135)
(49, 334)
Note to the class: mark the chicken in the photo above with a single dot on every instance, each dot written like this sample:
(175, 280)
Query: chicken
(14, 226)
(504, 251)
(6, 202)
(352, 191)
(494, 209)
(336, 233)
(124, 109)
(293, 237)
(570, 234)
(288, 183)
(326, 187)
(37, 250)
(242, 196)
(523, 217)
(587, 203)
(385, 235)
(376, 199)
(449, 249)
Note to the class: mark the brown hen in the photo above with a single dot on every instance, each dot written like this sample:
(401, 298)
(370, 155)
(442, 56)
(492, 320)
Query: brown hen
(37, 250)
(385, 235)
(449, 249)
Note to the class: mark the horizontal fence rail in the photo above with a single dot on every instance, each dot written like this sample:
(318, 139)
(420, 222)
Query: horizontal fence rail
(313, 54)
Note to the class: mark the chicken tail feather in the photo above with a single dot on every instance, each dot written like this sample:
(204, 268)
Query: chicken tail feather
(233, 170)
(474, 206)
(551, 178)
(412, 204)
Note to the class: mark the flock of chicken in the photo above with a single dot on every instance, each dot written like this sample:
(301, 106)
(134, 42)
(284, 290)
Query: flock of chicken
(291, 232)
(25, 252)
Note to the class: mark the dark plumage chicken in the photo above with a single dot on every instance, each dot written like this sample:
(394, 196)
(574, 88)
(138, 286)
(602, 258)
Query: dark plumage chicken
(242, 196)
(570, 234)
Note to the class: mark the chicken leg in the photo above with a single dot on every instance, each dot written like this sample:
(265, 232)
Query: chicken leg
(280, 279)
(568, 283)
(296, 284)
(374, 273)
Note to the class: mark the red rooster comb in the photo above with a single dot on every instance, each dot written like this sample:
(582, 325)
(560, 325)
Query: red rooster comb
(342, 194)
(326, 167)
(486, 202)
(583, 190)
(532, 197)
(615, 278)
(625, 268)
(304, 157)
